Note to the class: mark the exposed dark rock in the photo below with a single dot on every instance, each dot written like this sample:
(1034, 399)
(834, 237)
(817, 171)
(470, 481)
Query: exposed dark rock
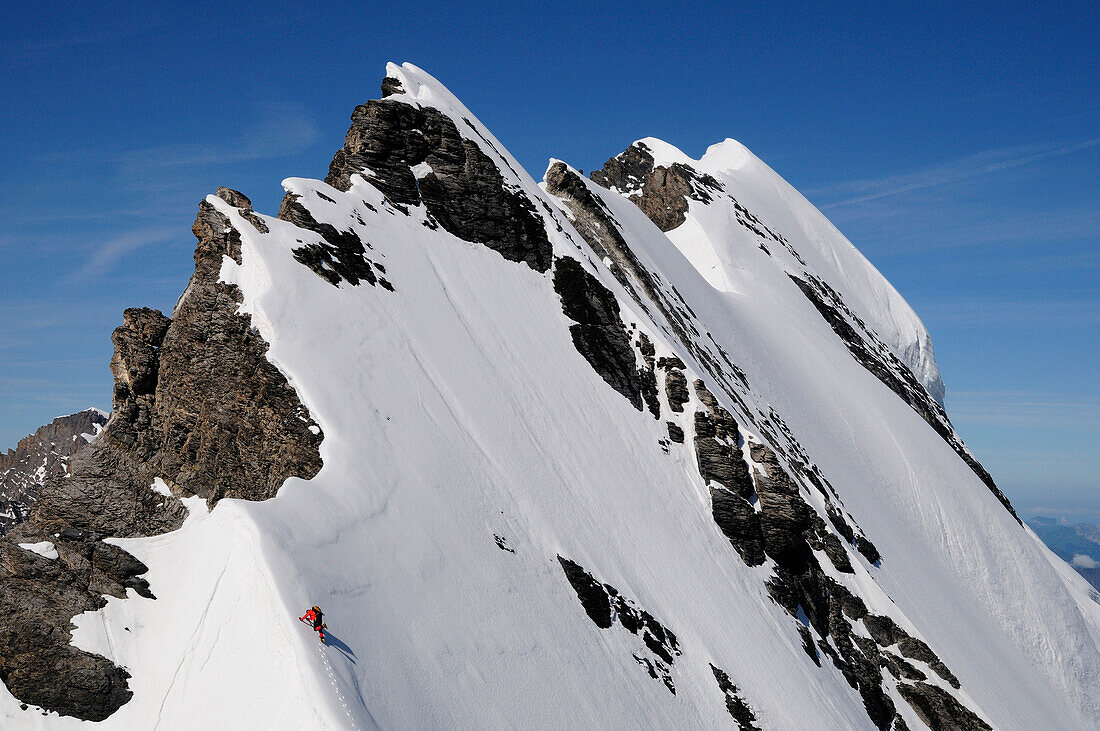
(599, 334)
(939, 710)
(38, 598)
(39, 457)
(675, 433)
(882, 363)
(735, 704)
(738, 521)
(839, 524)
(598, 601)
(198, 405)
(502, 543)
(669, 363)
(884, 630)
(465, 192)
(915, 649)
(864, 546)
(661, 192)
(593, 597)
(604, 235)
(134, 364)
(900, 668)
(341, 257)
(828, 605)
(834, 549)
(676, 390)
(716, 460)
(391, 86)
(808, 644)
(658, 671)
(724, 425)
(784, 514)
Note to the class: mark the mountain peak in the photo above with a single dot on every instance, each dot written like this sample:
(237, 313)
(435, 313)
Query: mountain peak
(655, 442)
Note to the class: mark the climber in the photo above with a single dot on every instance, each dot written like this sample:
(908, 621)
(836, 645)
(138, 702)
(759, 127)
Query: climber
(316, 618)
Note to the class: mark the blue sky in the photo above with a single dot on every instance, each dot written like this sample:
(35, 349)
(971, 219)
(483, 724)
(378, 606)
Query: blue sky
(957, 147)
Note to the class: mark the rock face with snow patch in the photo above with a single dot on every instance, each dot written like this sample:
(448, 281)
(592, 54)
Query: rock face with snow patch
(42, 456)
(417, 154)
(197, 405)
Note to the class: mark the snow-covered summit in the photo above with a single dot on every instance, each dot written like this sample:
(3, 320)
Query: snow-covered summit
(637, 450)
(715, 232)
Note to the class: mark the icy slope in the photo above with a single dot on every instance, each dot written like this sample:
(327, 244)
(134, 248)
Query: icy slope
(503, 534)
(716, 233)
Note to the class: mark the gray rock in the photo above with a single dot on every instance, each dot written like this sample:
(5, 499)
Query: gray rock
(661, 192)
(599, 334)
(464, 193)
(604, 605)
(738, 521)
(676, 390)
(197, 404)
(882, 363)
(735, 704)
(939, 710)
(39, 457)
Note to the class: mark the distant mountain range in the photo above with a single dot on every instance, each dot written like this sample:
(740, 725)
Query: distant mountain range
(1077, 543)
(41, 456)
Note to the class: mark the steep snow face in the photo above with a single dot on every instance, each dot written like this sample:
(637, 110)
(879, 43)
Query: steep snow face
(569, 480)
(748, 200)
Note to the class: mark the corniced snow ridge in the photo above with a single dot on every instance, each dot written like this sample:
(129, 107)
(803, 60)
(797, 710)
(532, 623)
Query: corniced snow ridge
(655, 448)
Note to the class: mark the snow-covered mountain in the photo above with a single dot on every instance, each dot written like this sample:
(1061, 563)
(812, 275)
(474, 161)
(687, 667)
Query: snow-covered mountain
(40, 456)
(657, 448)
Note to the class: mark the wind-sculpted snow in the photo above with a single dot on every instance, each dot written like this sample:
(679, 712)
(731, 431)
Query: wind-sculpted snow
(502, 534)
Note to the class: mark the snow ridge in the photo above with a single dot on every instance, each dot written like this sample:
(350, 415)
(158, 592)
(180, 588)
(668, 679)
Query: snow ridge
(592, 468)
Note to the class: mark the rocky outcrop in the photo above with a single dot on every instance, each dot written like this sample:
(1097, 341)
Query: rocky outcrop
(736, 706)
(676, 390)
(939, 710)
(340, 257)
(196, 405)
(765, 516)
(462, 188)
(604, 605)
(599, 334)
(662, 192)
(877, 358)
(42, 456)
(38, 598)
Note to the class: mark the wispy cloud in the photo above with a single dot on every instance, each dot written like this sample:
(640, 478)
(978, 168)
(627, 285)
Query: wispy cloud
(1070, 314)
(107, 253)
(965, 168)
(1025, 409)
(89, 31)
(283, 130)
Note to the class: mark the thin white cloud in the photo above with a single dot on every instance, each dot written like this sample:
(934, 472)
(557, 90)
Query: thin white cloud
(1082, 561)
(106, 254)
(283, 130)
(1024, 408)
(1066, 314)
(964, 168)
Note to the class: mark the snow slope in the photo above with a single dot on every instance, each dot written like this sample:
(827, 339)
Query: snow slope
(714, 242)
(457, 410)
